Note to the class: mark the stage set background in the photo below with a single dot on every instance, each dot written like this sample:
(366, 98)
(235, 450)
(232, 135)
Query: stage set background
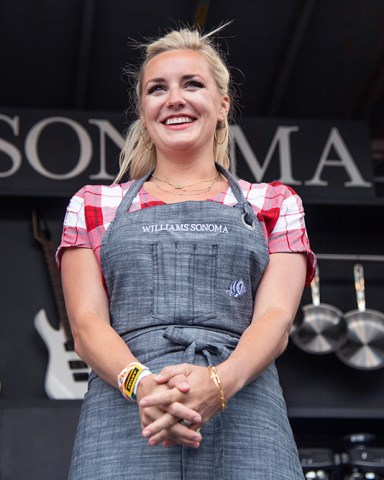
(323, 139)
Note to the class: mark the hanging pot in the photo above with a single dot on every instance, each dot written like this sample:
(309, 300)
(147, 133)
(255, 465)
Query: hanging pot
(364, 347)
(322, 329)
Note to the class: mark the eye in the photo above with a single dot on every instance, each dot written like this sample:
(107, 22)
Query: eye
(194, 84)
(157, 87)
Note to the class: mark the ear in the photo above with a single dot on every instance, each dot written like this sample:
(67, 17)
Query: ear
(224, 108)
(142, 121)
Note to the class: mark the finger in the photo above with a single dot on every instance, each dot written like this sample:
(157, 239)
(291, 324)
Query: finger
(168, 421)
(164, 422)
(177, 410)
(180, 382)
(177, 434)
(170, 371)
(149, 415)
(162, 398)
(170, 428)
(171, 443)
(180, 411)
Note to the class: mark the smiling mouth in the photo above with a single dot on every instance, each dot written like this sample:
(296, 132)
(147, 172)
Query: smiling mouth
(178, 120)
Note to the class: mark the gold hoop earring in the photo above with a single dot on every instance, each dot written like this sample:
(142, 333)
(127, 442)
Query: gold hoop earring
(143, 139)
(225, 135)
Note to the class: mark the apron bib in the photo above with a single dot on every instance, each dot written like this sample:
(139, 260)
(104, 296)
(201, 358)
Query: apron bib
(190, 263)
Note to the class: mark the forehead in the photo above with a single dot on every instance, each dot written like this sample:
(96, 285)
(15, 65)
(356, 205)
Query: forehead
(182, 62)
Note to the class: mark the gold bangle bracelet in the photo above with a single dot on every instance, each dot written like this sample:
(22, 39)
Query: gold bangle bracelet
(214, 374)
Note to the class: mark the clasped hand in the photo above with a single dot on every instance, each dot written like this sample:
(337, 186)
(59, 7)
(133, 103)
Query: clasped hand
(178, 392)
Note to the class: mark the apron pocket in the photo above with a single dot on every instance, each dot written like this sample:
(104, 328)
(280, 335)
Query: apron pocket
(184, 276)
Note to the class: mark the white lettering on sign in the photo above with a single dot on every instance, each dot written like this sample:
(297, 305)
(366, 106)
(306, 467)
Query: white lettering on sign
(83, 137)
(32, 141)
(282, 141)
(9, 149)
(26, 145)
(106, 129)
(345, 161)
(186, 227)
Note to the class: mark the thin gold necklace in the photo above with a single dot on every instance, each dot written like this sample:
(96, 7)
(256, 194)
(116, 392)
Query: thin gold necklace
(193, 192)
(181, 187)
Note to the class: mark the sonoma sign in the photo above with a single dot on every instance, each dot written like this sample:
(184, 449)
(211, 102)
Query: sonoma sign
(45, 153)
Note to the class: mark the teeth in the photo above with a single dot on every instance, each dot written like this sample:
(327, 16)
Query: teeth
(174, 120)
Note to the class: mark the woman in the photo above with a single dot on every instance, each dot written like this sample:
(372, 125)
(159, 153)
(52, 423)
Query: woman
(183, 290)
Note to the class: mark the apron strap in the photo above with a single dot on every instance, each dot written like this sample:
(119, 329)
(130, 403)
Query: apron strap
(249, 216)
(235, 187)
(132, 191)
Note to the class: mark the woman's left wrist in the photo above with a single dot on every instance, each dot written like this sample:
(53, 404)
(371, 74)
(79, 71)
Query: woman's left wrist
(231, 383)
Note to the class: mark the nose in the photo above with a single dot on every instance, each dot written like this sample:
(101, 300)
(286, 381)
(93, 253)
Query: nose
(175, 98)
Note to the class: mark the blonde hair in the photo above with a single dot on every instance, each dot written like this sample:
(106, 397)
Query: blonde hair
(138, 155)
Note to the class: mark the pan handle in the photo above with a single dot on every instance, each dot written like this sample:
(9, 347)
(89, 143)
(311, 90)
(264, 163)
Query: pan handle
(315, 289)
(358, 272)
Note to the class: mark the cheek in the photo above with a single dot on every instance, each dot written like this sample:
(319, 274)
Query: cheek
(207, 107)
(212, 104)
(148, 105)
(147, 114)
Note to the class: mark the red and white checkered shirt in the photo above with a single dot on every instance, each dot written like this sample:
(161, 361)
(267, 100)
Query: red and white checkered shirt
(278, 208)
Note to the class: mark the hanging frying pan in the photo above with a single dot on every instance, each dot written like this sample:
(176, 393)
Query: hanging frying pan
(322, 329)
(364, 347)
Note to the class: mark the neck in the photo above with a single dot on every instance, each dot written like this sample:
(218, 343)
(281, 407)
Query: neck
(178, 171)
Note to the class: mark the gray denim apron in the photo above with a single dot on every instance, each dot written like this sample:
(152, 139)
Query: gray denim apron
(182, 279)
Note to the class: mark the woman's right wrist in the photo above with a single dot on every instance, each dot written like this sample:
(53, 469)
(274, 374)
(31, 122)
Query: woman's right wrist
(129, 379)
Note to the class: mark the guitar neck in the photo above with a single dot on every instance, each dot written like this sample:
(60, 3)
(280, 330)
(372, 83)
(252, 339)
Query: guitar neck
(49, 254)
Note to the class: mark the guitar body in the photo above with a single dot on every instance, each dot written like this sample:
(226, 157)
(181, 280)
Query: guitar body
(67, 375)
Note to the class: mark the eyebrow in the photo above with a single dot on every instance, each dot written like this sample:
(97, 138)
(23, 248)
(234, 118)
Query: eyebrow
(162, 80)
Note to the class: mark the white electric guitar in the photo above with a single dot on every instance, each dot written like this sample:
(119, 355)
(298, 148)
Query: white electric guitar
(67, 375)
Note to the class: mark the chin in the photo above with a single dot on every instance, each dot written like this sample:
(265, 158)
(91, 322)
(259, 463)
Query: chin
(181, 145)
